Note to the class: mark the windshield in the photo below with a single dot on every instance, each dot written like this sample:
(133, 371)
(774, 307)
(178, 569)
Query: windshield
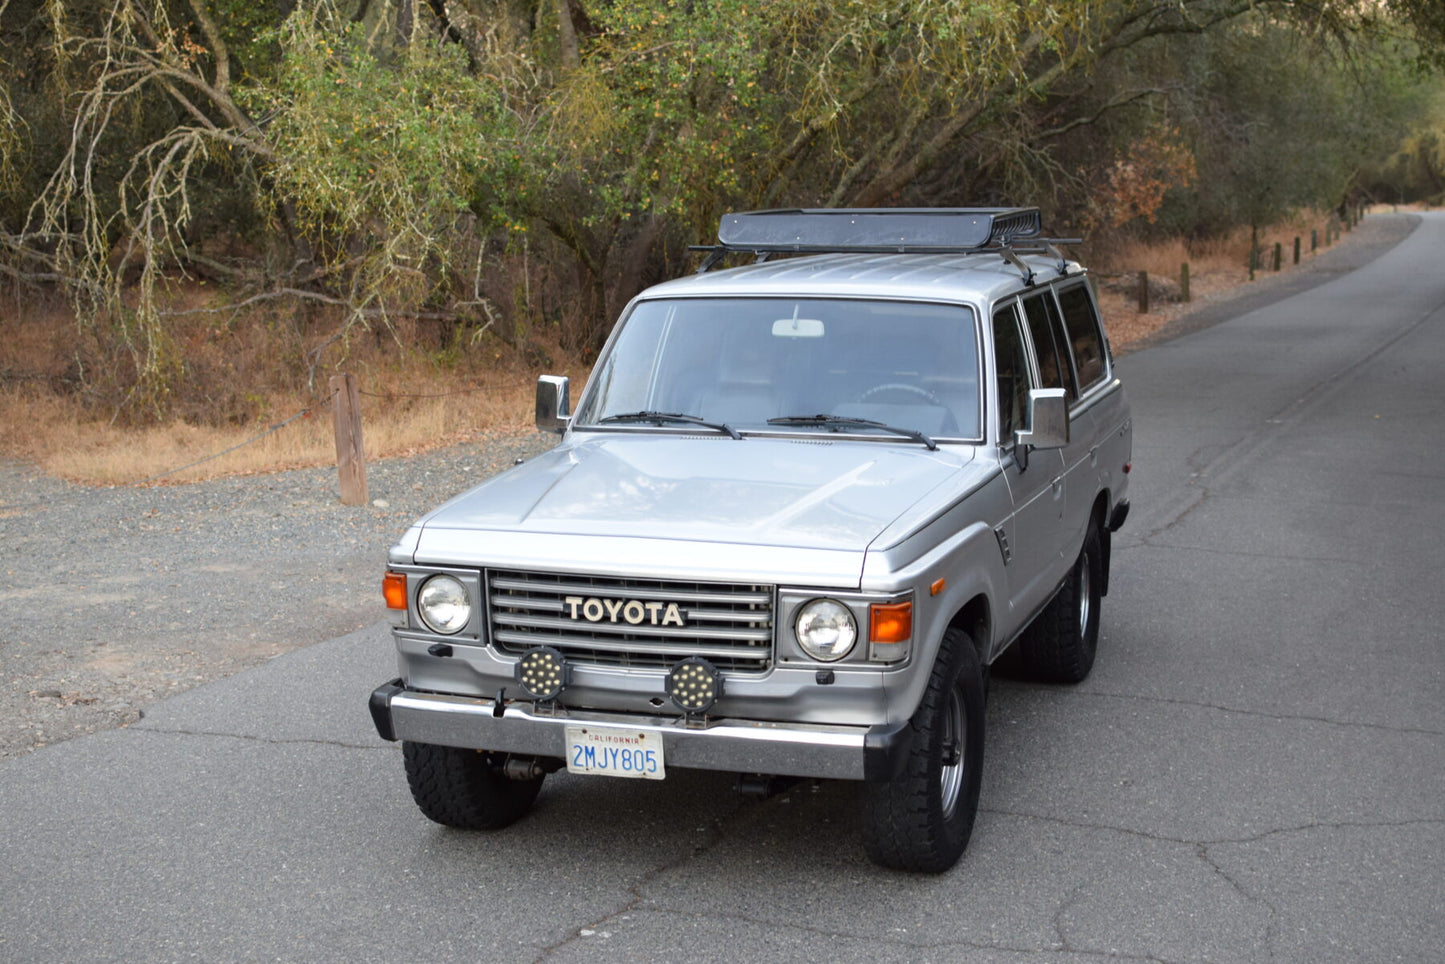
(742, 361)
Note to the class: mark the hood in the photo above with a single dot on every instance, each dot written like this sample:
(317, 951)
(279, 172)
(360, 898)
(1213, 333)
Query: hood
(826, 493)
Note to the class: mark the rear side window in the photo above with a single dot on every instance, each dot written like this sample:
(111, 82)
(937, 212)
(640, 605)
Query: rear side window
(1086, 338)
(1044, 324)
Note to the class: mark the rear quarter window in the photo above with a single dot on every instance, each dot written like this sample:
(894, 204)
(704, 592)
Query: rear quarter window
(1086, 337)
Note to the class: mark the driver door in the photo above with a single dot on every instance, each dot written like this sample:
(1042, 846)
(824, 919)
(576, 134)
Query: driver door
(1031, 533)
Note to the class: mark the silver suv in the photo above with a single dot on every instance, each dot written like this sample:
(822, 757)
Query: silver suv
(800, 509)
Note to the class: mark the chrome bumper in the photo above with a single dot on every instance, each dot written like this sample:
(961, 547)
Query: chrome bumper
(739, 746)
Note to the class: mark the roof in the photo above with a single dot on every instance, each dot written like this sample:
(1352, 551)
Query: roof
(969, 278)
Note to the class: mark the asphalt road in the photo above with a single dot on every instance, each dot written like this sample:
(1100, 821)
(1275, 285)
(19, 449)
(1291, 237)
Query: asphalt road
(1255, 770)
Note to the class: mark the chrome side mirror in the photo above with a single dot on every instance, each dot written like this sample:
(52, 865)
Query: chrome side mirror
(1048, 421)
(553, 404)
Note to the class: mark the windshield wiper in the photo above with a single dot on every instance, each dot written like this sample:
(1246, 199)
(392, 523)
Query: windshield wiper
(662, 417)
(844, 421)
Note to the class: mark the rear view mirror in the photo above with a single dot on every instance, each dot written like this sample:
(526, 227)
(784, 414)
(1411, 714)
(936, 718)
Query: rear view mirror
(553, 403)
(798, 328)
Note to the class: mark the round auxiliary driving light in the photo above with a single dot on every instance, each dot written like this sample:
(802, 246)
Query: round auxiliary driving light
(825, 629)
(443, 605)
(694, 685)
(542, 673)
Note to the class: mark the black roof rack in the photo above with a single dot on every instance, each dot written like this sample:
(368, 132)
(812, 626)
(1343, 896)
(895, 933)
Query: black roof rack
(1006, 231)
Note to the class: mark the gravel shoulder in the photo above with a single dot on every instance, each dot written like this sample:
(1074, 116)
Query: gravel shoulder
(113, 598)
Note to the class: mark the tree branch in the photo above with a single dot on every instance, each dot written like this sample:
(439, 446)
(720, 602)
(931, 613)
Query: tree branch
(1093, 118)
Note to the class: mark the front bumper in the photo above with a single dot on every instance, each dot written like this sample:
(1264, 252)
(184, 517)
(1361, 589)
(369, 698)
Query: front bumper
(874, 753)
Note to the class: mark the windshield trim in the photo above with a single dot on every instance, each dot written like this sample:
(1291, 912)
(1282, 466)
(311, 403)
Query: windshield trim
(585, 399)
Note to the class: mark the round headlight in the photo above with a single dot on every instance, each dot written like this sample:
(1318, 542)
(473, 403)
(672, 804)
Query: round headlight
(443, 605)
(825, 629)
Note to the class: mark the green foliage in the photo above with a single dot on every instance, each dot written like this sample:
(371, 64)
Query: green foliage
(1280, 123)
(383, 157)
(1426, 20)
(665, 112)
(1272, 117)
(510, 164)
(1415, 170)
(361, 143)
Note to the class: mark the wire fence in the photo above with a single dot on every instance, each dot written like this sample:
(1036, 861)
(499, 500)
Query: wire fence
(459, 391)
(269, 430)
(227, 451)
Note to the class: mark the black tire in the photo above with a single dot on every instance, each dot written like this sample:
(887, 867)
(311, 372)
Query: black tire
(921, 821)
(465, 789)
(1060, 645)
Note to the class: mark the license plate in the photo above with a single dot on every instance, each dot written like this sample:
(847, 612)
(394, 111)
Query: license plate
(615, 752)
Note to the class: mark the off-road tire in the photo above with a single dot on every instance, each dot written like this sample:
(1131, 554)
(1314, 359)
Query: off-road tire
(1060, 645)
(465, 789)
(908, 824)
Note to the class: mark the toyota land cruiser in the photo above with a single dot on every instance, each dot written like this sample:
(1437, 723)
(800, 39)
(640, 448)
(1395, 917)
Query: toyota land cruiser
(799, 510)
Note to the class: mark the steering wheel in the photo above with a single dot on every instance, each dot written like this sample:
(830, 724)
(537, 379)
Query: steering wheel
(900, 388)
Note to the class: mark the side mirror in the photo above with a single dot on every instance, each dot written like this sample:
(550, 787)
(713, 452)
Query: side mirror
(1048, 423)
(553, 404)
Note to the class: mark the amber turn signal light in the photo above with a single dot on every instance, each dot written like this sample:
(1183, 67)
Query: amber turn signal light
(393, 587)
(890, 622)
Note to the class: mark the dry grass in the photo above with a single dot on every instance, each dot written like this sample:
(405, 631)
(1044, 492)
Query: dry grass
(57, 434)
(412, 403)
(1217, 267)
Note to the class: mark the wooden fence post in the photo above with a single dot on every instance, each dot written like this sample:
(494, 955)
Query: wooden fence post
(1143, 292)
(1184, 282)
(350, 453)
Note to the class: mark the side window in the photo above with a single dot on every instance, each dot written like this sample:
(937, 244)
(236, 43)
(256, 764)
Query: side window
(1012, 365)
(1086, 338)
(1054, 370)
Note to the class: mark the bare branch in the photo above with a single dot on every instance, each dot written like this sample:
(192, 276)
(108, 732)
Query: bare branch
(219, 51)
(1115, 103)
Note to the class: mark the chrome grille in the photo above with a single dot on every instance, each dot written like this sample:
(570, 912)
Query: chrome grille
(729, 624)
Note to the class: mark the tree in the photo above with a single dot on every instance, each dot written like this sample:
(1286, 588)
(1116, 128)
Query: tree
(394, 156)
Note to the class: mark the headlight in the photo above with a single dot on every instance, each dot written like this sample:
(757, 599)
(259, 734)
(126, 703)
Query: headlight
(443, 605)
(825, 629)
